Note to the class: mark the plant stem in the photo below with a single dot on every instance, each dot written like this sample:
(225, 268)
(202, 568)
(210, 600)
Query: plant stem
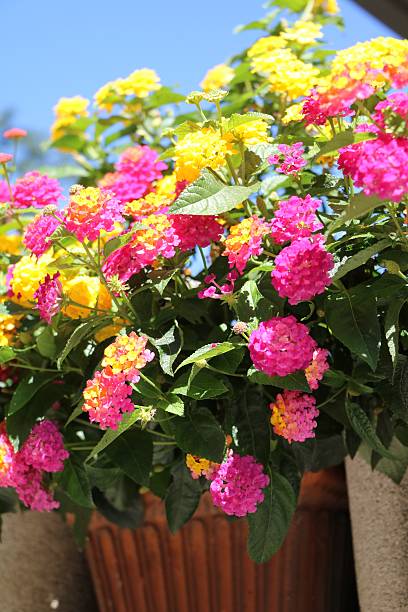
(200, 249)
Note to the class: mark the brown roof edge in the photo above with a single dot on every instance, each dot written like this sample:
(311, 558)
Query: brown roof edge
(394, 13)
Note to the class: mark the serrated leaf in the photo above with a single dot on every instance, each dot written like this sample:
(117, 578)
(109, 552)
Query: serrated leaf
(268, 526)
(342, 139)
(169, 347)
(6, 354)
(182, 497)
(110, 435)
(133, 453)
(164, 95)
(27, 389)
(352, 318)
(199, 433)
(207, 352)
(80, 333)
(364, 428)
(391, 329)
(236, 119)
(359, 206)
(295, 382)
(199, 386)
(75, 483)
(253, 427)
(210, 196)
(46, 343)
(173, 403)
(360, 258)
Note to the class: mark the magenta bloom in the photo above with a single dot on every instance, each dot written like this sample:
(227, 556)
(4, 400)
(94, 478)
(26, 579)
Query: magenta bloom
(291, 158)
(35, 189)
(392, 113)
(196, 230)
(49, 297)
(379, 166)
(217, 291)
(38, 232)
(237, 485)
(44, 448)
(335, 102)
(91, 210)
(302, 269)
(4, 192)
(293, 416)
(281, 346)
(107, 398)
(315, 371)
(138, 167)
(295, 218)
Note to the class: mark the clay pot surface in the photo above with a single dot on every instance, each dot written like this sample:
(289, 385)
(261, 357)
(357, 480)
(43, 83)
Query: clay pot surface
(205, 568)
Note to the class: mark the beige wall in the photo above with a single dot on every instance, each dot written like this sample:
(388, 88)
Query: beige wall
(40, 566)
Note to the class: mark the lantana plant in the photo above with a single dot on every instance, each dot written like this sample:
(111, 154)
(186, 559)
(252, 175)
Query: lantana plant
(219, 301)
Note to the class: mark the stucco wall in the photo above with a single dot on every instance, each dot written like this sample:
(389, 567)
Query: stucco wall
(41, 568)
(379, 517)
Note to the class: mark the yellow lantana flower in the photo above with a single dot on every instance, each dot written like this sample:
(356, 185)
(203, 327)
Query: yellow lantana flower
(303, 32)
(217, 77)
(27, 275)
(88, 293)
(197, 150)
(8, 329)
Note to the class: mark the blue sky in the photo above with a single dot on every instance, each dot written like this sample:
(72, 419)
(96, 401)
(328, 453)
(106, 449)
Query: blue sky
(59, 48)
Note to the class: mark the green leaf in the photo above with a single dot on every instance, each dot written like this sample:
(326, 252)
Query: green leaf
(251, 303)
(65, 171)
(27, 389)
(352, 318)
(182, 497)
(199, 433)
(391, 329)
(133, 453)
(360, 258)
(359, 206)
(207, 352)
(210, 196)
(294, 382)
(164, 95)
(46, 343)
(119, 241)
(130, 517)
(69, 141)
(129, 419)
(236, 119)
(173, 403)
(169, 347)
(6, 354)
(364, 428)
(342, 139)
(268, 526)
(80, 333)
(253, 426)
(202, 385)
(293, 5)
(75, 483)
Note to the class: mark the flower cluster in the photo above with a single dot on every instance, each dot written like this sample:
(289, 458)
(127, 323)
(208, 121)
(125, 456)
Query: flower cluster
(295, 218)
(67, 112)
(237, 486)
(8, 329)
(217, 77)
(37, 233)
(196, 230)
(85, 295)
(281, 346)
(290, 158)
(35, 189)
(139, 83)
(127, 355)
(315, 371)
(293, 416)
(199, 466)
(203, 148)
(42, 452)
(90, 211)
(245, 241)
(302, 269)
(49, 297)
(25, 276)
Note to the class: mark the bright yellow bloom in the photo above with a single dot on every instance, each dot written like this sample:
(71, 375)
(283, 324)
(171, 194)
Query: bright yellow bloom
(8, 329)
(217, 77)
(11, 244)
(166, 186)
(286, 73)
(140, 83)
(251, 133)
(86, 291)
(105, 97)
(303, 32)
(293, 113)
(265, 45)
(199, 466)
(197, 150)
(329, 6)
(27, 275)
(109, 331)
(67, 111)
(376, 54)
(127, 355)
(147, 205)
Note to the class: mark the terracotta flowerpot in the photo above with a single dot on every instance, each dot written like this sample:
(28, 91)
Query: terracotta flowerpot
(205, 567)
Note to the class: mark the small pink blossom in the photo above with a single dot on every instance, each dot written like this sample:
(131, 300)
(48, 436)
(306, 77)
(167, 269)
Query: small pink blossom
(196, 230)
(302, 269)
(293, 416)
(37, 233)
(237, 485)
(295, 218)
(90, 211)
(315, 371)
(290, 158)
(35, 189)
(49, 297)
(44, 448)
(5, 157)
(224, 290)
(107, 398)
(14, 133)
(281, 346)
